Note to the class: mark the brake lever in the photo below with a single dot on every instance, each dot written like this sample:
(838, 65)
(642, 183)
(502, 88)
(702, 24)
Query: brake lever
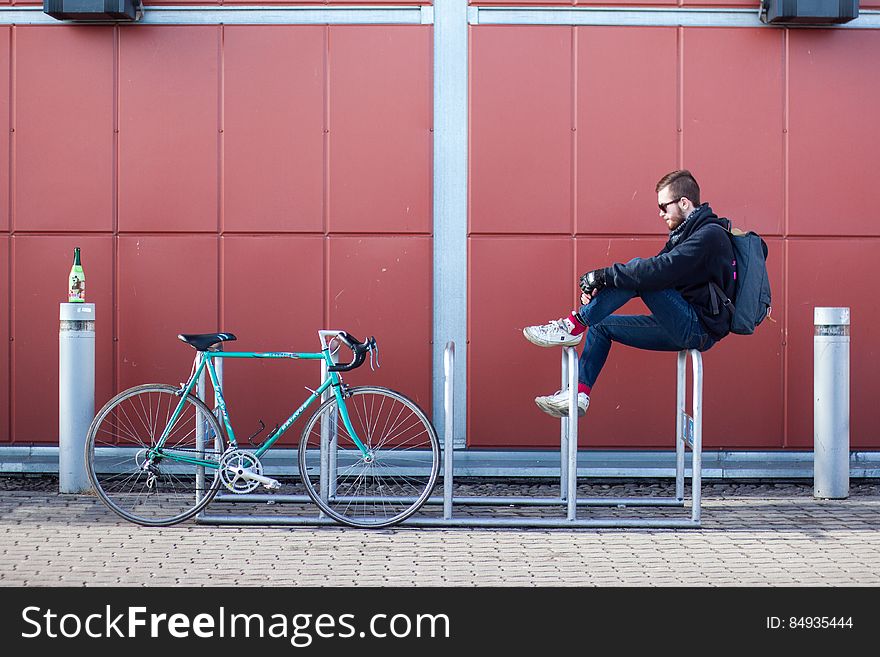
(374, 347)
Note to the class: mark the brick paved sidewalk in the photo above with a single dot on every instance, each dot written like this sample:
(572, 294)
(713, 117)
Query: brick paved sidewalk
(752, 535)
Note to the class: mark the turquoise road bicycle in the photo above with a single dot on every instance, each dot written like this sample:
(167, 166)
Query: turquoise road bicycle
(368, 456)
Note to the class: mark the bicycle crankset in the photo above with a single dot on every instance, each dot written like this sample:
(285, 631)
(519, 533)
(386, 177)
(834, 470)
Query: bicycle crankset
(242, 472)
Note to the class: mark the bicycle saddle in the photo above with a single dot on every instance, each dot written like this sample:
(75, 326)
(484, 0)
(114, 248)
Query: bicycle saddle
(204, 341)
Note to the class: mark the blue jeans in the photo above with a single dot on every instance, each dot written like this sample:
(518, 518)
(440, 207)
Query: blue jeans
(673, 325)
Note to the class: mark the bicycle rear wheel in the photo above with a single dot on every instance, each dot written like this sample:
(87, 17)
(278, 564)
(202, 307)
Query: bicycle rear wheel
(147, 489)
(392, 481)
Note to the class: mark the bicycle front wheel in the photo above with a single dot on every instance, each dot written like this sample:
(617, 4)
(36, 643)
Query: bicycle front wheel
(141, 484)
(390, 482)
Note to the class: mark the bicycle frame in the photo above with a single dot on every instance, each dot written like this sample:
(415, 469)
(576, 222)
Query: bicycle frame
(204, 362)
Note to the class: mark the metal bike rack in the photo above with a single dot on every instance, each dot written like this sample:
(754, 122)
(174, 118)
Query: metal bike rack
(688, 434)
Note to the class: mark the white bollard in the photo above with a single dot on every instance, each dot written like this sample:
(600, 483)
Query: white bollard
(831, 403)
(76, 393)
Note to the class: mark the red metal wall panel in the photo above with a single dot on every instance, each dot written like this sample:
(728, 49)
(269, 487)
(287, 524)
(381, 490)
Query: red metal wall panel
(167, 284)
(808, 288)
(520, 129)
(743, 378)
(4, 127)
(633, 3)
(378, 2)
(558, 3)
(381, 286)
(721, 3)
(516, 3)
(637, 3)
(5, 344)
(168, 128)
(371, 88)
(64, 137)
(273, 128)
(160, 3)
(326, 2)
(273, 300)
(633, 401)
(834, 103)
(733, 122)
(41, 264)
(626, 126)
(514, 282)
(734, 141)
(381, 113)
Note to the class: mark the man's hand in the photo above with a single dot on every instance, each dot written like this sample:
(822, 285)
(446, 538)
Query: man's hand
(591, 282)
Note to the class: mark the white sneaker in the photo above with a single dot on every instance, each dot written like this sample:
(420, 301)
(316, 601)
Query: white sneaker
(553, 334)
(557, 403)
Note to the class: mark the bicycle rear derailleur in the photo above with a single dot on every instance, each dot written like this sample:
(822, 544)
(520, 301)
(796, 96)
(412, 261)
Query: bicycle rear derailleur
(242, 472)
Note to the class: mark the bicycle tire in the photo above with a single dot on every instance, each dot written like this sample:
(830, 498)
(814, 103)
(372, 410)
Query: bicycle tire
(400, 474)
(163, 492)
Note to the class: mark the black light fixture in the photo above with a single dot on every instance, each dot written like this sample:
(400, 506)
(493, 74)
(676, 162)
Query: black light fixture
(808, 12)
(94, 11)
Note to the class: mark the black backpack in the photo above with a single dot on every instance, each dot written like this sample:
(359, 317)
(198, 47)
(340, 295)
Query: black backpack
(752, 285)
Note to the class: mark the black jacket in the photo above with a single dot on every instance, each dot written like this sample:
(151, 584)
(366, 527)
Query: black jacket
(703, 253)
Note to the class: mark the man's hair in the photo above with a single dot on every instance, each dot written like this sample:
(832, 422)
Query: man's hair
(682, 184)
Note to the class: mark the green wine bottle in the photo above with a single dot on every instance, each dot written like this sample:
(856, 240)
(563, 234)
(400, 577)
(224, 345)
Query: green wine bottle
(76, 282)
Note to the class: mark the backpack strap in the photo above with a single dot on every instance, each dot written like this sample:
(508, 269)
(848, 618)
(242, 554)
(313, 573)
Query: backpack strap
(716, 294)
(717, 297)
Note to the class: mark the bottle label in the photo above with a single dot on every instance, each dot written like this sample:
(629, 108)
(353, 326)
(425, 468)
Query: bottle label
(76, 285)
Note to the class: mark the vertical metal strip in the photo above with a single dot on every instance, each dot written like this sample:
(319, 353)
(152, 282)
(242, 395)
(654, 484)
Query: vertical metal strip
(679, 424)
(697, 466)
(323, 476)
(200, 433)
(449, 415)
(563, 435)
(572, 419)
(450, 206)
(11, 241)
(221, 177)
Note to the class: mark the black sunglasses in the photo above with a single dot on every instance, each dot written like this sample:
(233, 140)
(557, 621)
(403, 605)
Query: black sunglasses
(663, 206)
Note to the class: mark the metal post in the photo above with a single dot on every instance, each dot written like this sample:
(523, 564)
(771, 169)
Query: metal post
(563, 435)
(324, 474)
(448, 447)
(697, 455)
(218, 368)
(571, 353)
(831, 403)
(76, 393)
(450, 202)
(201, 426)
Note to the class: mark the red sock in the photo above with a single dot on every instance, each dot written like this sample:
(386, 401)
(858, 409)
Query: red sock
(579, 326)
(583, 387)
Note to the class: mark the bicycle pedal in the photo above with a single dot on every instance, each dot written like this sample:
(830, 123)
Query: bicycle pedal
(272, 484)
